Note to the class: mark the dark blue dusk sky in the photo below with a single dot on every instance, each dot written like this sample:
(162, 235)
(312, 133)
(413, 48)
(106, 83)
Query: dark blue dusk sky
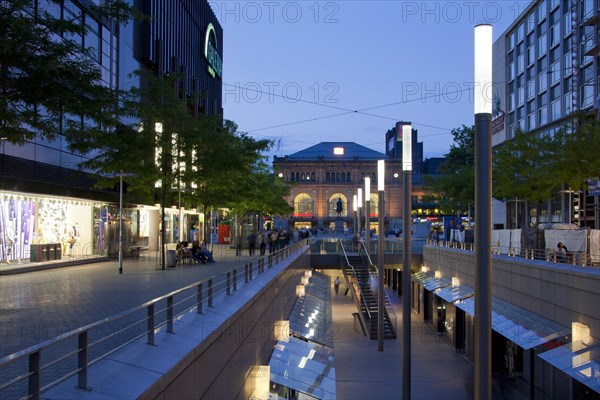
(295, 71)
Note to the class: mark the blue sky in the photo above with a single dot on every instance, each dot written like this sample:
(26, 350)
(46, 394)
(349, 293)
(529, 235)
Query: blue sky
(295, 71)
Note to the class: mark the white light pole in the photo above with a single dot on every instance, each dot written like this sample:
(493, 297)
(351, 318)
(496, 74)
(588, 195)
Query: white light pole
(483, 212)
(380, 253)
(368, 213)
(355, 209)
(360, 204)
(406, 256)
(120, 175)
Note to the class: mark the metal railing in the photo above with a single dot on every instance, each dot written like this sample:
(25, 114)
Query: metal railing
(574, 258)
(354, 287)
(375, 270)
(74, 352)
(391, 245)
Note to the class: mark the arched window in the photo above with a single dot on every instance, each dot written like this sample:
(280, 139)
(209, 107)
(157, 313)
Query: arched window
(313, 177)
(302, 176)
(327, 177)
(303, 205)
(297, 176)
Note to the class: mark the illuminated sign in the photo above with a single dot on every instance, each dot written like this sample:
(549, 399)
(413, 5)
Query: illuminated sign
(215, 64)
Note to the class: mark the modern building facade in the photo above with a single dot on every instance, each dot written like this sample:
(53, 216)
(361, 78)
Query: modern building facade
(44, 195)
(546, 66)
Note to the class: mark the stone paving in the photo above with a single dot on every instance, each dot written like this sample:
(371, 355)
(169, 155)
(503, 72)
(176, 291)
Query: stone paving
(40, 305)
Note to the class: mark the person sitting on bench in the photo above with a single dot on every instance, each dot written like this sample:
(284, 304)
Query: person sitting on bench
(196, 253)
(206, 253)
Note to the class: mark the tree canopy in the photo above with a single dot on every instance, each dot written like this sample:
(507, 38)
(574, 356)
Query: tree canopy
(49, 83)
(534, 166)
(455, 184)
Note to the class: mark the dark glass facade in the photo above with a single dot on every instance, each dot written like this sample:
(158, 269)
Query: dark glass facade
(174, 39)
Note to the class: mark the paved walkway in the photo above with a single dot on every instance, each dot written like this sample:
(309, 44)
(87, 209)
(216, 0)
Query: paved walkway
(40, 305)
(437, 372)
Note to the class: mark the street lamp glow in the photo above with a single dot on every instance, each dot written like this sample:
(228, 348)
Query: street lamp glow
(380, 175)
(407, 147)
(483, 69)
(367, 188)
(360, 198)
(158, 127)
(354, 203)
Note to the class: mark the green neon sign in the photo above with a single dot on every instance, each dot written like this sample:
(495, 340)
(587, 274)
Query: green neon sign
(215, 64)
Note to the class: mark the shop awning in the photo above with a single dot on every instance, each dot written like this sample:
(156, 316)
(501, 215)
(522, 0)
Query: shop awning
(526, 329)
(454, 293)
(304, 366)
(421, 276)
(435, 283)
(579, 361)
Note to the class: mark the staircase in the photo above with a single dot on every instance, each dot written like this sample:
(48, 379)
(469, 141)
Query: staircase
(369, 299)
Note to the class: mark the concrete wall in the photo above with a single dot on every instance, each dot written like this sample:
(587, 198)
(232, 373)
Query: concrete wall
(220, 366)
(558, 292)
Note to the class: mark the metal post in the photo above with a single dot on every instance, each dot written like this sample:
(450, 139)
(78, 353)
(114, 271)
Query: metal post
(228, 282)
(483, 261)
(82, 361)
(210, 293)
(121, 222)
(406, 282)
(34, 377)
(150, 324)
(199, 298)
(170, 314)
(380, 269)
(483, 213)
(367, 227)
(235, 279)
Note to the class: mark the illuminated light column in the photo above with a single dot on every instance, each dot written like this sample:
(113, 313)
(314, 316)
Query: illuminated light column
(360, 204)
(483, 211)
(355, 209)
(380, 253)
(406, 256)
(368, 213)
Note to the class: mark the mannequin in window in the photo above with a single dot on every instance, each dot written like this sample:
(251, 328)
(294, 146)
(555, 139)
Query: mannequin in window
(9, 240)
(73, 237)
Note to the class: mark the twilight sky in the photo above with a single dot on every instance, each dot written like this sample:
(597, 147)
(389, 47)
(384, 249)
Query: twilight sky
(302, 72)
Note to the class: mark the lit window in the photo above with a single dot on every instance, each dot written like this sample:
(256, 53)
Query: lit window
(338, 151)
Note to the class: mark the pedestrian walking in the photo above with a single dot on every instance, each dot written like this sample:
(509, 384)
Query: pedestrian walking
(251, 243)
(336, 285)
(262, 243)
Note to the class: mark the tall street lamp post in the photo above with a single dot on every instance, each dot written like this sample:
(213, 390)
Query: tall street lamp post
(360, 204)
(483, 211)
(121, 175)
(368, 213)
(355, 209)
(380, 253)
(406, 256)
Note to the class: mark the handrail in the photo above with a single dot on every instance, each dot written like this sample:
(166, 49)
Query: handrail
(371, 266)
(356, 301)
(551, 255)
(155, 320)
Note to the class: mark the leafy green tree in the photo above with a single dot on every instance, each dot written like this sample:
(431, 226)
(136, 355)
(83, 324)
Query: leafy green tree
(455, 184)
(49, 84)
(524, 168)
(579, 156)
